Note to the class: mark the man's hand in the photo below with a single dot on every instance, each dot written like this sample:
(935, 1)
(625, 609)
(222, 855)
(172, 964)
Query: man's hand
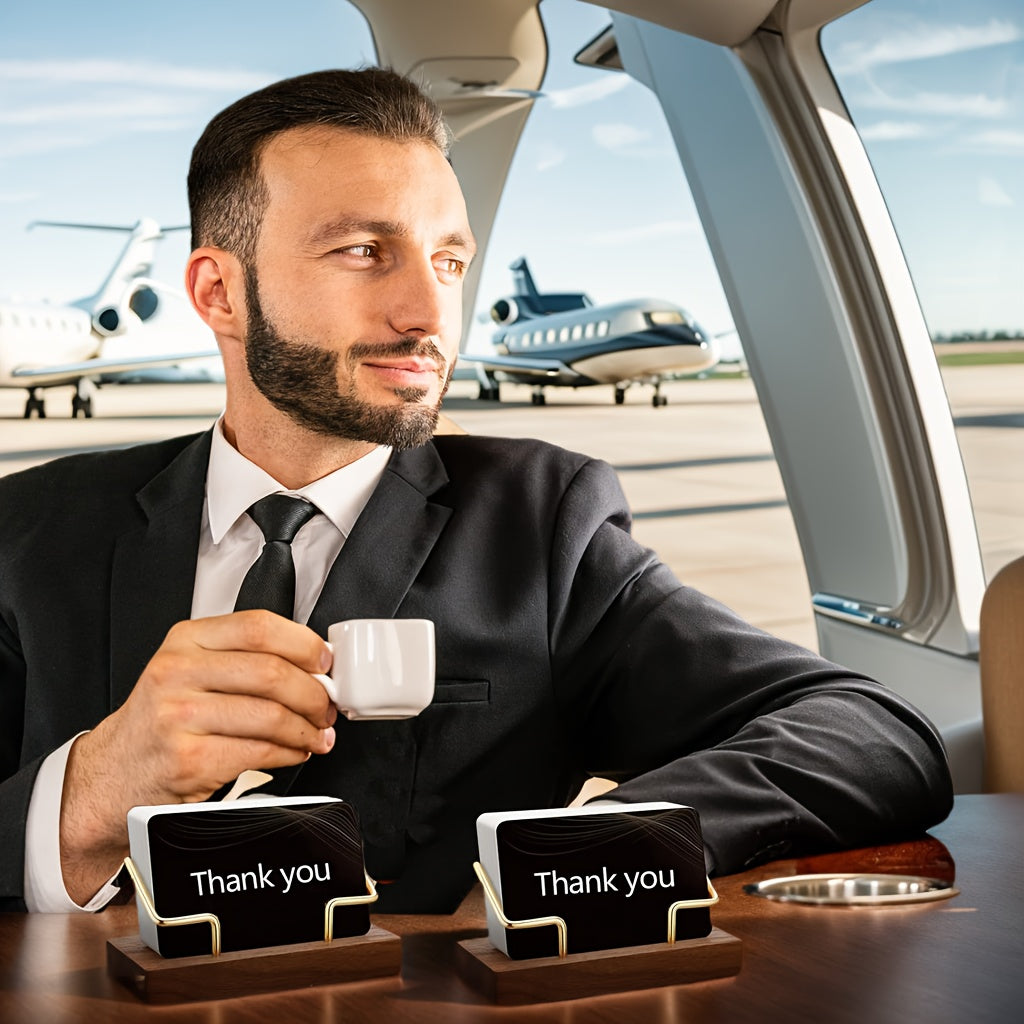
(220, 695)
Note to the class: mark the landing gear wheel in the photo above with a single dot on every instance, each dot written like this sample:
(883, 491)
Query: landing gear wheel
(620, 396)
(81, 401)
(537, 398)
(81, 405)
(34, 404)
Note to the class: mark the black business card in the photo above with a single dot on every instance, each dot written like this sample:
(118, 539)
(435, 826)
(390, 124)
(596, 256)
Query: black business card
(266, 868)
(611, 875)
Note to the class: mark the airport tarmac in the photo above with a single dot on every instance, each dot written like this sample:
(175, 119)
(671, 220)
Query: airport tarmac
(699, 473)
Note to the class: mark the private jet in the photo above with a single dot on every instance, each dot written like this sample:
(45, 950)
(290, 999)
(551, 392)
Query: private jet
(43, 345)
(562, 339)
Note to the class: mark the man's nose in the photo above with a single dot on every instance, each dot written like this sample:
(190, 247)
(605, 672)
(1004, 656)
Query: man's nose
(419, 303)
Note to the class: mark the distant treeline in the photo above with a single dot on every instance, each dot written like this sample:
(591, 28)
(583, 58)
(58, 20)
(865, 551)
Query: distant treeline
(1017, 335)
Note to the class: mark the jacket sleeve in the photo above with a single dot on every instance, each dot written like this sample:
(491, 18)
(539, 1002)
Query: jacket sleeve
(676, 698)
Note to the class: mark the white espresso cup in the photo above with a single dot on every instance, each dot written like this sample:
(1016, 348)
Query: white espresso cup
(383, 668)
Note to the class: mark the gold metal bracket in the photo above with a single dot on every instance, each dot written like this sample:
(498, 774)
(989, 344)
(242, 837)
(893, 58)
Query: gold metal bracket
(347, 901)
(559, 923)
(214, 922)
(712, 898)
(170, 922)
(532, 922)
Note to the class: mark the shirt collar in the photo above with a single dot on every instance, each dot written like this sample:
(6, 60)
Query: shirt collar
(233, 483)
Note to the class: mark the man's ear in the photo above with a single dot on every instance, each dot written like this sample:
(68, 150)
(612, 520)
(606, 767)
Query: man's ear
(216, 288)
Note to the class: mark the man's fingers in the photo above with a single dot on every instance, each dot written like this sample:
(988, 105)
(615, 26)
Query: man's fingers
(197, 720)
(257, 630)
(266, 676)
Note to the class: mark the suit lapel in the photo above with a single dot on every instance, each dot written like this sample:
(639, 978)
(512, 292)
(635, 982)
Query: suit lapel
(389, 543)
(154, 566)
(374, 763)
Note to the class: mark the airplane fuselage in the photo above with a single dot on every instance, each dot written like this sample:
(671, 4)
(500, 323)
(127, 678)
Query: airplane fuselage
(34, 335)
(608, 344)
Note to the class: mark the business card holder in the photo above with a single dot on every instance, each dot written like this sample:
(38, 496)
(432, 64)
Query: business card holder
(598, 972)
(225, 975)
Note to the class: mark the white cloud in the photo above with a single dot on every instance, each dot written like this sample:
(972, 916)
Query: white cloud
(991, 193)
(618, 135)
(139, 73)
(548, 157)
(1003, 139)
(37, 144)
(971, 105)
(110, 110)
(887, 131)
(646, 232)
(923, 41)
(579, 95)
(18, 197)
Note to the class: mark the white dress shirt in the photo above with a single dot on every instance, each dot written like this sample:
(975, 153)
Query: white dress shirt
(229, 543)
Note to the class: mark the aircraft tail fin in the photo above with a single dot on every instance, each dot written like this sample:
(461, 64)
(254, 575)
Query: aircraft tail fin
(135, 262)
(524, 279)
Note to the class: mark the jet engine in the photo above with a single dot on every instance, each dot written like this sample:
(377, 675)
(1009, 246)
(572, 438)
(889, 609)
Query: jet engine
(113, 320)
(505, 312)
(108, 321)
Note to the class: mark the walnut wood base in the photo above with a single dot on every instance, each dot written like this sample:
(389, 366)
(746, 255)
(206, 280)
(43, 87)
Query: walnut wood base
(156, 979)
(550, 979)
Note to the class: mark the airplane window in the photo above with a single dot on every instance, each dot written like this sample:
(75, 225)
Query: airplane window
(550, 336)
(563, 334)
(588, 331)
(936, 93)
(602, 328)
(577, 332)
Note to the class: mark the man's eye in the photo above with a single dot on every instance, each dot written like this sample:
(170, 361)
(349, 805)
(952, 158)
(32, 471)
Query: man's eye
(365, 251)
(450, 265)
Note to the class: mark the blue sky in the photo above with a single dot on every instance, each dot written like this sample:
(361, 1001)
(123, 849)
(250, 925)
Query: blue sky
(100, 105)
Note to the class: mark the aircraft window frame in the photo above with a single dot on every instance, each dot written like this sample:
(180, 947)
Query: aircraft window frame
(946, 143)
(603, 327)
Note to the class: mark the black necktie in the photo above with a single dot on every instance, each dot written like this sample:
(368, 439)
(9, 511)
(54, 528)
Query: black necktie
(270, 581)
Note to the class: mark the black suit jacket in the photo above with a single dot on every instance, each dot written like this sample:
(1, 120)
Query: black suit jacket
(564, 649)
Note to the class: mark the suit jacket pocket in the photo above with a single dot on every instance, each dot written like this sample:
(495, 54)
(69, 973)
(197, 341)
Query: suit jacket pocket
(462, 691)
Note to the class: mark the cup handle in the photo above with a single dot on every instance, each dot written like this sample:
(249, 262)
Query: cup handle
(328, 684)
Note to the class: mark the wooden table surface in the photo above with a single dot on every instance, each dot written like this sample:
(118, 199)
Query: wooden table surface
(957, 961)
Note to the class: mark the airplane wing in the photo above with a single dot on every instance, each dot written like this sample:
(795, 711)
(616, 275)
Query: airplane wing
(535, 367)
(69, 373)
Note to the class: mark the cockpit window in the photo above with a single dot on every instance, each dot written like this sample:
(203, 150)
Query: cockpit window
(660, 317)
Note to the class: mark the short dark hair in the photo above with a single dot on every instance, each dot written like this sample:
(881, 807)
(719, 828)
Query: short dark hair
(226, 192)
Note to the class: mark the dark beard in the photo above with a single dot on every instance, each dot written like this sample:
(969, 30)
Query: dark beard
(301, 380)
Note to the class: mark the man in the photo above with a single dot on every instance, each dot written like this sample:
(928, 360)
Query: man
(330, 244)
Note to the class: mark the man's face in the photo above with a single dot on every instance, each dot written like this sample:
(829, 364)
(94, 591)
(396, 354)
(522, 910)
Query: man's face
(355, 303)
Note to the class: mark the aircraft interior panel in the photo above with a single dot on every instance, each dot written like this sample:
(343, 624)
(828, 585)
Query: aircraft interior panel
(888, 550)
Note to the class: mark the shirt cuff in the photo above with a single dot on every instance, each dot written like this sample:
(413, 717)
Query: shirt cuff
(44, 879)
